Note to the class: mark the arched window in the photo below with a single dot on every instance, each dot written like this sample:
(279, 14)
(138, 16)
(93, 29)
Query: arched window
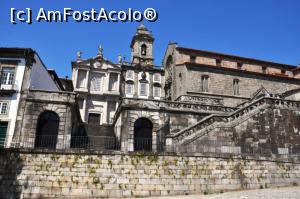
(144, 50)
(47, 130)
(143, 134)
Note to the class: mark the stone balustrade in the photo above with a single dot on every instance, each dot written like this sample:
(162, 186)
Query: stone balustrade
(206, 123)
(176, 105)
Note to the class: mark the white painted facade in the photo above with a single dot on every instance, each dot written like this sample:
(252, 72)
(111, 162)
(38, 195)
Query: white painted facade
(152, 88)
(11, 90)
(11, 99)
(97, 82)
(142, 79)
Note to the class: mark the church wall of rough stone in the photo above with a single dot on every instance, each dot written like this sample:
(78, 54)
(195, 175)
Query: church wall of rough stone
(268, 127)
(184, 75)
(221, 83)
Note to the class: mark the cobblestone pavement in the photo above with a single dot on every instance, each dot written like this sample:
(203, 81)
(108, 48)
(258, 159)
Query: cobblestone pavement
(273, 193)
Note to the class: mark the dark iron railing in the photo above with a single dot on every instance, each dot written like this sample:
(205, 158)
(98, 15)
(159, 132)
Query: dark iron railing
(95, 142)
(204, 147)
(45, 141)
(143, 144)
(63, 142)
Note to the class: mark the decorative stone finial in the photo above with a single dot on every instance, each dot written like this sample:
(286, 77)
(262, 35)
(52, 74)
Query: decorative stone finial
(120, 59)
(142, 26)
(78, 55)
(100, 51)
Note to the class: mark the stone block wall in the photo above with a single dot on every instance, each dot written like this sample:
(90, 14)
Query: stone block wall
(263, 131)
(129, 117)
(44, 175)
(178, 121)
(163, 121)
(33, 104)
(220, 83)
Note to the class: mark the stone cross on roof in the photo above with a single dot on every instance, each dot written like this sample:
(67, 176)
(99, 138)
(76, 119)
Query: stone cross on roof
(100, 51)
(78, 55)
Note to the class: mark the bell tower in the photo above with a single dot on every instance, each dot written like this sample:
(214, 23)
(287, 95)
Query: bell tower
(142, 47)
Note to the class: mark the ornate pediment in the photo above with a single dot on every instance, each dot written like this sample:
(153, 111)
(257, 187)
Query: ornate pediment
(97, 64)
(104, 65)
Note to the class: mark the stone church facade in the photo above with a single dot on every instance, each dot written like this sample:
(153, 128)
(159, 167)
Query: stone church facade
(197, 101)
(210, 101)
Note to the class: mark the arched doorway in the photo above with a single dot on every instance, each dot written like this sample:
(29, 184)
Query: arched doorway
(143, 135)
(47, 130)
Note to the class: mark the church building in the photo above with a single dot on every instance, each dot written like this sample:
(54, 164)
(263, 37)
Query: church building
(197, 102)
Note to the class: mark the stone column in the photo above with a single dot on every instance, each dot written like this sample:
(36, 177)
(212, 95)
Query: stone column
(150, 85)
(107, 83)
(87, 79)
(75, 77)
(68, 129)
(118, 83)
(136, 83)
(84, 110)
(154, 141)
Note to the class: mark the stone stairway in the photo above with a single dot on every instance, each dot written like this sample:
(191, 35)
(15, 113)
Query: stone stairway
(227, 120)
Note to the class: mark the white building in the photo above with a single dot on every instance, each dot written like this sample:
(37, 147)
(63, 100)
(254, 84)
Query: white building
(97, 83)
(142, 78)
(21, 69)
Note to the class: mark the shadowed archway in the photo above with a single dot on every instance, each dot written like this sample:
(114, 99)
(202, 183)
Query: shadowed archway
(47, 130)
(143, 134)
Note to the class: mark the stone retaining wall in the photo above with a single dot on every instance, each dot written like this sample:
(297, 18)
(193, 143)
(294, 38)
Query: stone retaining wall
(42, 175)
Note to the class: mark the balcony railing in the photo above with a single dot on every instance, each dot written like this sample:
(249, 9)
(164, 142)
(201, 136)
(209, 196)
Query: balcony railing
(8, 88)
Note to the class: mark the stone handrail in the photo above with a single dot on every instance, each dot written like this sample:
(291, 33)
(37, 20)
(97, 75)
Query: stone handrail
(201, 99)
(209, 120)
(183, 106)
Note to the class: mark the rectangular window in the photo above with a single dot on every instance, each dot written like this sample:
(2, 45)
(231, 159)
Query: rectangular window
(156, 91)
(111, 111)
(94, 118)
(143, 89)
(236, 89)
(7, 76)
(157, 77)
(239, 65)
(129, 74)
(3, 108)
(96, 81)
(129, 89)
(3, 131)
(192, 59)
(113, 82)
(218, 62)
(205, 83)
(81, 79)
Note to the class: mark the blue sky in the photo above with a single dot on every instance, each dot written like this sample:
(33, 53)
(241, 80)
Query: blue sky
(268, 29)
